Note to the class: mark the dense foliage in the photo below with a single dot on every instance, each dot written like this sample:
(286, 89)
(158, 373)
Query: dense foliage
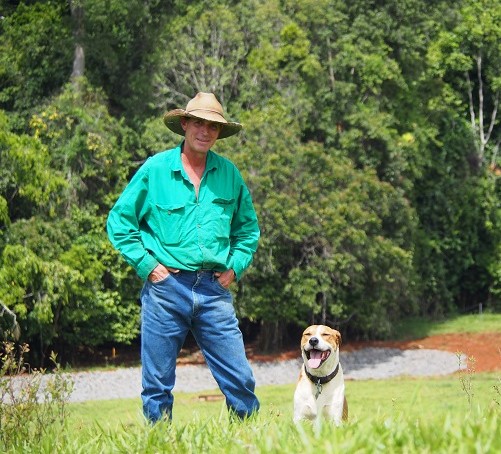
(371, 148)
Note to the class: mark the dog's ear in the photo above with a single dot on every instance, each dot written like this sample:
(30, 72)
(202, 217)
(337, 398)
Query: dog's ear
(338, 337)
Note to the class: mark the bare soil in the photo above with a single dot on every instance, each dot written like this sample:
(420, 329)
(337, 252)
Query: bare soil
(482, 350)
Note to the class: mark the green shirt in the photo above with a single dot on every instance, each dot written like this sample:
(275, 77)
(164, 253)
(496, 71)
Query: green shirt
(159, 219)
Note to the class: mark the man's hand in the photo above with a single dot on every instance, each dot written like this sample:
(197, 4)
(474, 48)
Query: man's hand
(225, 278)
(160, 273)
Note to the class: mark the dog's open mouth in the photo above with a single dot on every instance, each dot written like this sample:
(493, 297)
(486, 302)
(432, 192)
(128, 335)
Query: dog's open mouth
(316, 357)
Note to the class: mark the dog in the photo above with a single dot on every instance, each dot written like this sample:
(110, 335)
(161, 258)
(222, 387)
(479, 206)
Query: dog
(320, 388)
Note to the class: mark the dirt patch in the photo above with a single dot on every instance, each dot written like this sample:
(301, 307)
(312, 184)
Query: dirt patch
(482, 350)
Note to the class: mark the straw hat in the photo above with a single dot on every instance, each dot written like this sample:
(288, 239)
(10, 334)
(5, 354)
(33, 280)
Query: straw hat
(206, 107)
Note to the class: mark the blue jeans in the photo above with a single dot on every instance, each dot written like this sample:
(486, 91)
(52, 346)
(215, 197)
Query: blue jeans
(193, 301)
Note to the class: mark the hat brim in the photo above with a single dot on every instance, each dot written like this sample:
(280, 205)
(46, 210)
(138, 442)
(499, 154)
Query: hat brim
(172, 120)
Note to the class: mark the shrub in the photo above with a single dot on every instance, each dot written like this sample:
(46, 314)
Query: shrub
(32, 401)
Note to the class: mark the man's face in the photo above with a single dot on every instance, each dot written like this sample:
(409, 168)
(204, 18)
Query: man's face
(200, 135)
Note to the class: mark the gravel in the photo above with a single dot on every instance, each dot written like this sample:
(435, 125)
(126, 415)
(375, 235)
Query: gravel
(367, 363)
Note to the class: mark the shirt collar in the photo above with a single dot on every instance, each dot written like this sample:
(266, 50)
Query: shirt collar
(211, 163)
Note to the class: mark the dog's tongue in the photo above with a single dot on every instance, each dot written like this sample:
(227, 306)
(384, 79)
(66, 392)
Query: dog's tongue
(315, 359)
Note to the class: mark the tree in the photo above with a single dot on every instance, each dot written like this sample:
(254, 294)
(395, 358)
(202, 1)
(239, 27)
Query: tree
(119, 40)
(35, 54)
(458, 196)
(63, 282)
(87, 145)
(58, 271)
(204, 50)
(27, 184)
(467, 56)
(336, 242)
(77, 15)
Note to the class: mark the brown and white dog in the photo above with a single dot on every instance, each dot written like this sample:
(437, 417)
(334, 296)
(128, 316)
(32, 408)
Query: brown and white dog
(320, 389)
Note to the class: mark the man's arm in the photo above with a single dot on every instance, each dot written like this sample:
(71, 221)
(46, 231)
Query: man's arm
(123, 224)
(245, 233)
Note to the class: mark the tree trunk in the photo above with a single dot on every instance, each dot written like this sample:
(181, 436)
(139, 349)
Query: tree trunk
(78, 62)
(77, 14)
(271, 336)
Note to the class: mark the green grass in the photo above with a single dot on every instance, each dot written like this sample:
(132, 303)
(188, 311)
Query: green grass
(474, 432)
(457, 414)
(425, 415)
(460, 413)
(417, 328)
(421, 398)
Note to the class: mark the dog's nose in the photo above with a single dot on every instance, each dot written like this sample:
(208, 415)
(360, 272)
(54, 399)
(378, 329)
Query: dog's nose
(313, 341)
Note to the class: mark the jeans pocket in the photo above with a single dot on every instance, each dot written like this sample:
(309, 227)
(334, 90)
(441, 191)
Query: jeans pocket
(161, 281)
(220, 286)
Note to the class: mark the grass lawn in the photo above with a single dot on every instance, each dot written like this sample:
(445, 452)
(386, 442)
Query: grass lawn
(425, 415)
(417, 328)
(414, 397)
(421, 398)
(460, 413)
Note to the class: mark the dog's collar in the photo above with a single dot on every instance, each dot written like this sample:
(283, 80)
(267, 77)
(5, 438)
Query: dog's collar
(322, 380)
(319, 381)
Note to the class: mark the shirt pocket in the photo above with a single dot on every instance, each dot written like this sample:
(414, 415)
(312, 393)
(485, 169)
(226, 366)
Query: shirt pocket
(223, 210)
(169, 220)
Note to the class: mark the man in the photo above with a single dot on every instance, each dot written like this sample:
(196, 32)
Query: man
(186, 224)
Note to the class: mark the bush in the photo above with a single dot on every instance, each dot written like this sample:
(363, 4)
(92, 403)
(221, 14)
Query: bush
(32, 402)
